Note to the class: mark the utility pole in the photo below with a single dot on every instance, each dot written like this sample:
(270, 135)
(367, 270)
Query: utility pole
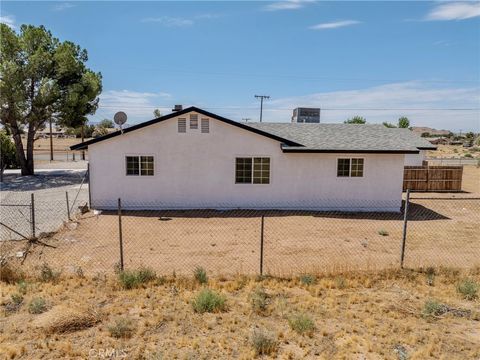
(261, 97)
(246, 119)
(51, 141)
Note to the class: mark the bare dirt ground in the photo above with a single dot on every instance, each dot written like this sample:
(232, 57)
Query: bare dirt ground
(454, 151)
(354, 316)
(442, 231)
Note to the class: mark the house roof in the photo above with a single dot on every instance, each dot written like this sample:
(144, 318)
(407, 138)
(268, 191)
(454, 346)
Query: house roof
(346, 137)
(298, 137)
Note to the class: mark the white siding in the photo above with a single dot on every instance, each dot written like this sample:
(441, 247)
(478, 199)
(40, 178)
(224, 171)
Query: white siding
(415, 159)
(197, 170)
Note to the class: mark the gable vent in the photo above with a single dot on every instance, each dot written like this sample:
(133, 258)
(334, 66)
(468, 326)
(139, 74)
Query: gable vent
(182, 125)
(193, 121)
(205, 126)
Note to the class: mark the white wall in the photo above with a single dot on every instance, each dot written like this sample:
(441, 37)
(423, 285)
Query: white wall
(195, 170)
(415, 159)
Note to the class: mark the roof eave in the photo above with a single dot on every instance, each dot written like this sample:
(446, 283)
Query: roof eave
(349, 151)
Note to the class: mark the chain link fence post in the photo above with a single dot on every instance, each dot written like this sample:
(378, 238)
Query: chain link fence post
(32, 214)
(68, 206)
(262, 227)
(405, 221)
(120, 232)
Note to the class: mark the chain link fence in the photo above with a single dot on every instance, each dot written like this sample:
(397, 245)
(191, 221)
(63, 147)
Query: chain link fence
(441, 231)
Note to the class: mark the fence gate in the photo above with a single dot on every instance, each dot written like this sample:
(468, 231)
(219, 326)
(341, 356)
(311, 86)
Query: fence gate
(432, 178)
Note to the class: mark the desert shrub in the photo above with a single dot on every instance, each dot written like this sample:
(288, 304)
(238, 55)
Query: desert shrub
(302, 324)
(468, 288)
(433, 308)
(63, 319)
(260, 300)
(383, 232)
(430, 273)
(17, 299)
(121, 328)
(37, 306)
(10, 274)
(200, 275)
(130, 279)
(468, 155)
(263, 343)
(22, 287)
(209, 301)
(308, 279)
(340, 282)
(47, 274)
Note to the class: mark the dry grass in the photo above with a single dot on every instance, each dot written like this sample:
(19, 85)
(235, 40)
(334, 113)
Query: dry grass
(453, 151)
(371, 316)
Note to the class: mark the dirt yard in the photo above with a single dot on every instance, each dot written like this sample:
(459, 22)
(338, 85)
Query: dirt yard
(388, 315)
(455, 151)
(442, 231)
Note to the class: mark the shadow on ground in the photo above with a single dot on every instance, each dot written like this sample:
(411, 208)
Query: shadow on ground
(14, 182)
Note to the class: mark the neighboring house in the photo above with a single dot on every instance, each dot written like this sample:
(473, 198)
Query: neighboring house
(438, 140)
(196, 159)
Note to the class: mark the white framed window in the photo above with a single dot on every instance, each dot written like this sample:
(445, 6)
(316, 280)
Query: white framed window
(139, 165)
(193, 121)
(350, 167)
(182, 125)
(252, 170)
(205, 126)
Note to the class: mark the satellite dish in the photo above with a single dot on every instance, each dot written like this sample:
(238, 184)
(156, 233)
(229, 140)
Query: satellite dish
(120, 118)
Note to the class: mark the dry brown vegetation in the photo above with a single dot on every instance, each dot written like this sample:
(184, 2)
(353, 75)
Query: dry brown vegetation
(365, 315)
(454, 151)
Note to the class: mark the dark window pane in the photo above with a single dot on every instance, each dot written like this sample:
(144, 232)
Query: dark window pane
(243, 170)
(343, 167)
(357, 168)
(132, 165)
(146, 165)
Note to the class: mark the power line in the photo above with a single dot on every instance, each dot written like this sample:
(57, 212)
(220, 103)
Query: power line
(261, 97)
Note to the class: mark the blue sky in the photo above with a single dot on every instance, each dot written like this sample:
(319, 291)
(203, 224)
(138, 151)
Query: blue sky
(377, 59)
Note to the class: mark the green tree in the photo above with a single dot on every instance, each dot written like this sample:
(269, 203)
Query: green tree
(157, 113)
(356, 120)
(389, 125)
(403, 122)
(42, 78)
(8, 157)
(106, 123)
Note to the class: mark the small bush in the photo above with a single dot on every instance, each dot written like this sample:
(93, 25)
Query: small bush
(263, 343)
(209, 301)
(131, 279)
(433, 308)
(260, 300)
(302, 324)
(430, 272)
(47, 274)
(383, 232)
(308, 279)
(22, 287)
(121, 328)
(200, 275)
(10, 274)
(37, 306)
(17, 299)
(468, 155)
(340, 282)
(468, 288)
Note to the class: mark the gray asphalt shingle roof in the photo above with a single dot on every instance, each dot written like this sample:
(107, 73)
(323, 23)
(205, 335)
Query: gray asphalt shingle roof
(345, 137)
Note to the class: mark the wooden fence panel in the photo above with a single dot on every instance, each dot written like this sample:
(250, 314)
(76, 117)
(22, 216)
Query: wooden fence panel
(433, 178)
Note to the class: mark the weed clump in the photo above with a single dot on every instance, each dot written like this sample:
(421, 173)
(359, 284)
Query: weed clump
(433, 308)
(10, 274)
(121, 328)
(263, 343)
(308, 279)
(430, 272)
(37, 306)
(200, 275)
(131, 279)
(260, 300)
(468, 288)
(209, 301)
(383, 232)
(47, 274)
(302, 324)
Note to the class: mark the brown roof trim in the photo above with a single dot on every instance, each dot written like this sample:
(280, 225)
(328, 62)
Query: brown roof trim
(84, 145)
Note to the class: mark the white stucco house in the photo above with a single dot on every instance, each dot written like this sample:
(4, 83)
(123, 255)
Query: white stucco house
(196, 159)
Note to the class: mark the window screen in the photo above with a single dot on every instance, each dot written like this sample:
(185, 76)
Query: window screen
(133, 165)
(357, 168)
(343, 167)
(193, 121)
(205, 126)
(243, 171)
(182, 125)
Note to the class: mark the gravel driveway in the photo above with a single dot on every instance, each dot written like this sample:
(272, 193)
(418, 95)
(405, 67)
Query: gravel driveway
(49, 188)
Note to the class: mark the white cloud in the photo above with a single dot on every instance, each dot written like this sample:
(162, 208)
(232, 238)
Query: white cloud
(63, 6)
(139, 106)
(334, 25)
(170, 21)
(390, 101)
(286, 5)
(455, 11)
(8, 20)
